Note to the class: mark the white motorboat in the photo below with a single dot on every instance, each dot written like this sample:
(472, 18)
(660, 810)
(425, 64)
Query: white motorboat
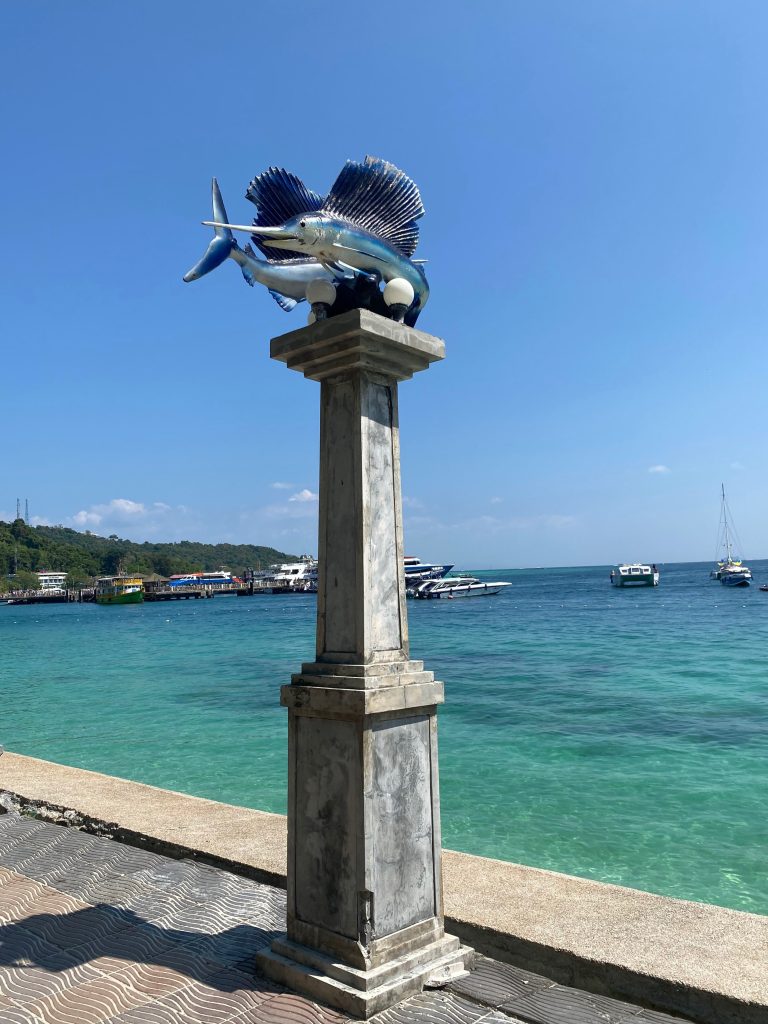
(288, 578)
(729, 570)
(458, 586)
(635, 574)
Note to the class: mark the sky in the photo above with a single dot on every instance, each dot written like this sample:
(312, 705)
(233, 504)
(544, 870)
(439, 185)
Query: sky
(595, 180)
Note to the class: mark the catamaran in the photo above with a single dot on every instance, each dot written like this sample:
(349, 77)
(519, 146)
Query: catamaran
(635, 574)
(730, 571)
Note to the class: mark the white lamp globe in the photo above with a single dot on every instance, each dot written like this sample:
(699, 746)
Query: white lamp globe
(321, 292)
(311, 318)
(399, 292)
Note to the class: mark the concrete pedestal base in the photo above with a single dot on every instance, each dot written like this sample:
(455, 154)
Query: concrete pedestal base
(363, 993)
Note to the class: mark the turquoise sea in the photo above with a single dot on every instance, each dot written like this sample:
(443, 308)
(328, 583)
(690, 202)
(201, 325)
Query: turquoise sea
(620, 735)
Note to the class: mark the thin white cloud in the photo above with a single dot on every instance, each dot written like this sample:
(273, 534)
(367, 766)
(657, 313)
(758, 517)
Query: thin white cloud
(124, 513)
(659, 469)
(495, 524)
(496, 501)
(280, 485)
(119, 509)
(738, 465)
(303, 496)
(409, 502)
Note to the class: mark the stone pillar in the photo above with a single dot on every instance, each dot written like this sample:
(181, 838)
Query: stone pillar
(365, 905)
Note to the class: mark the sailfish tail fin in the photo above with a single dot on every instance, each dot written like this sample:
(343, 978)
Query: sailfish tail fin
(222, 243)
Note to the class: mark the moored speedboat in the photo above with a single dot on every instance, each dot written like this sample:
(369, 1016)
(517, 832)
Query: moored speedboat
(635, 574)
(457, 586)
(417, 572)
(288, 577)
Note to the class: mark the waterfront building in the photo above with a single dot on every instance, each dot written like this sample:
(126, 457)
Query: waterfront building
(52, 580)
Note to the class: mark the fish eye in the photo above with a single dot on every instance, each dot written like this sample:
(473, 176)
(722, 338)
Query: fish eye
(302, 223)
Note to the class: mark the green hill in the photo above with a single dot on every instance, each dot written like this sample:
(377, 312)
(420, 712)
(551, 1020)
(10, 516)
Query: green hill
(25, 549)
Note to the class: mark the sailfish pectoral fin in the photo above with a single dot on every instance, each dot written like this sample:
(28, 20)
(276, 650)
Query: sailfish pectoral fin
(283, 301)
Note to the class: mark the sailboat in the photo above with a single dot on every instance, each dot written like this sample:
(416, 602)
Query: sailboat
(730, 571)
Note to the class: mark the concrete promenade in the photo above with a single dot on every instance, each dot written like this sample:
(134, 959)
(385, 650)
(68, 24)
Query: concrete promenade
(698, 961)
(95, 931)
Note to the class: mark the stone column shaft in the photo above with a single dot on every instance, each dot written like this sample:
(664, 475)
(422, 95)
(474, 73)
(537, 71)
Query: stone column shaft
(365, 908)
(361, 597)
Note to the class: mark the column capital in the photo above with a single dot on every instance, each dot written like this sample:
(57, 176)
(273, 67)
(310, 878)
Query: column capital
(357, 340)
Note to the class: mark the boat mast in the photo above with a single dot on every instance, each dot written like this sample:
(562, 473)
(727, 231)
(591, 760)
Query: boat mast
(729, 556)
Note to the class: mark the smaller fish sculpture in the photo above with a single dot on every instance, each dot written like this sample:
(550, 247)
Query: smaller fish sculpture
(362, 233)
(286, 279)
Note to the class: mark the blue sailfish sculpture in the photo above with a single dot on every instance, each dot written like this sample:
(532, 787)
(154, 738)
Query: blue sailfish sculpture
(362, 233)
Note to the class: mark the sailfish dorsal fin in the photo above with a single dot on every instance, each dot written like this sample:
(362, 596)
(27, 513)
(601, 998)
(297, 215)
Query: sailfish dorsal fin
(279, 195)
(379, 197)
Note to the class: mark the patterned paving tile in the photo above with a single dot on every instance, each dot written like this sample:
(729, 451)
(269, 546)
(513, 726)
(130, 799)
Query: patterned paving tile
(435, 1008)
(20, 897)
(20, 947)
(654, 1017)
(47, 907)
(168, 874)
(7, 875)
(199, 1004)
(288, 1008)
(499, 1017)
(95, 932)
(91, 865)
(93, 1003)
(493, 983)
(19, 1015)
(26, 847)
(561, 1005)
(22, 985)
(198, 919)
(116, 950)
(67, 848)
(66, 927)
(154, 980)
(133, 860)
(235, 945)
(148, 1013)
(17, 831)
(117, 890)
(253, 986)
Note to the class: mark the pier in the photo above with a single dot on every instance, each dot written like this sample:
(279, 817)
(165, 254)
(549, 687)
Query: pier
(41, 597)
(155, 594)
(179, 593)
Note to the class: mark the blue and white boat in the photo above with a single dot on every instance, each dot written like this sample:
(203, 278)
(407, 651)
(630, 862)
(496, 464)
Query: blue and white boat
(417, 572)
